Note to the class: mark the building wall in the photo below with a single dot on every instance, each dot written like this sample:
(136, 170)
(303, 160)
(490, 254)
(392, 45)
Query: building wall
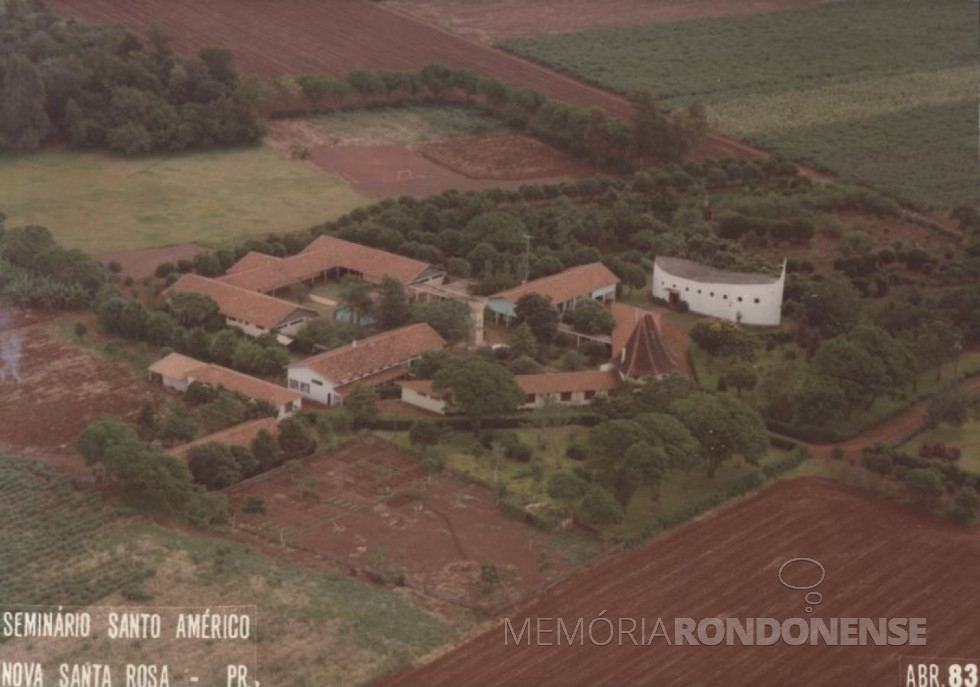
(578, 399)
(312, 385)
(172, 383)
(434, 405)
(247, 327)
(288, 409)
(508, 309)
(756, 304)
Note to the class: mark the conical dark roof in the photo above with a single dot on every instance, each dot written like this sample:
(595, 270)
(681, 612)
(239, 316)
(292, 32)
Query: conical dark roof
(645, 353)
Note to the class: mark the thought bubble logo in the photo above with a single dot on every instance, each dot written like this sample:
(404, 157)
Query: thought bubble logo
(811, 598)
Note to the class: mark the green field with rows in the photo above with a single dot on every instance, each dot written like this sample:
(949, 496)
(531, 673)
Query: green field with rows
(889, 87)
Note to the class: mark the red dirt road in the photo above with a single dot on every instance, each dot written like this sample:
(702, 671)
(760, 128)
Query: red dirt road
(310, 36)
(489, 21)
(882, 560)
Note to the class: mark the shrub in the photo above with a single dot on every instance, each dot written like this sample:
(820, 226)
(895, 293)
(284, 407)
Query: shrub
(254, 504)
(81, 329)
(576, 452)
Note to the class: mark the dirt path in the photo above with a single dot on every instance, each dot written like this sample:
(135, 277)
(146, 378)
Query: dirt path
(891, 430)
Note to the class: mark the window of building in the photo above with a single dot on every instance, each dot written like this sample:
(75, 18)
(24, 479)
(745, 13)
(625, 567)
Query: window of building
(699, 291)
(317, 382)
(304, 387)
(589, 395)
(756, 300)
(712, 294)
(687, 288)
(724, 296)
(293, 384)
(566, 395)
(739, 299)
(530, 398)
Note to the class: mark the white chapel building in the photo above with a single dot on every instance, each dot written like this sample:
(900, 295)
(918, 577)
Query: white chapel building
(755, 299)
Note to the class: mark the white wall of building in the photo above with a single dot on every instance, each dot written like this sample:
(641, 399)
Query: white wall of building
(309, 383)
(755, 304)
(420, 400)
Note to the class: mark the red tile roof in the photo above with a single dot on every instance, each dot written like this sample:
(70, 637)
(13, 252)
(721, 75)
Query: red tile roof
(239, 435)
(259, 272)
(545, 383)
(645, 354)
(185, 369)
(564, 286)
(373, 354)
(238, 303)
(627, 317)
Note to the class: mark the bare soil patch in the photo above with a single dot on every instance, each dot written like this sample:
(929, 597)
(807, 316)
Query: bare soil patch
(375, 509)
(490, 21)
(879, 559)
(141, 263)
(504, 157)
(56, 389)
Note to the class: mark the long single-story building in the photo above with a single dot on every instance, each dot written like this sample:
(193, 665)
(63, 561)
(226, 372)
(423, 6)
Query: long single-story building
(178, 372)
(328, 377)
(328, 258)
(565, 290)
(253, 313)
(561, 388)
(738, 296)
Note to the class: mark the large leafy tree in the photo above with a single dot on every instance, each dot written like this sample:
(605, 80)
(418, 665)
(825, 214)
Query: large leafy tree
(451, 319)
(477, 388)
(393, 309)
(24, 123)
(724, 426)
(833, 305)
(540, 315)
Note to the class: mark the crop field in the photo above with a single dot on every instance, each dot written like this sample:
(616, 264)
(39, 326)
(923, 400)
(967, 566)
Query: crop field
(878, 558)
(402, 125)
(372, 507)
(489, 21)
(848, 86)
(305, 37)
(316, 627)
(103, 203)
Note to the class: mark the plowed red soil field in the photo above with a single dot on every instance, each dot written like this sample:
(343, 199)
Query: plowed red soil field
(881, 560)
(375, 509)
(314, 36)
(50, 390)
(490, 21)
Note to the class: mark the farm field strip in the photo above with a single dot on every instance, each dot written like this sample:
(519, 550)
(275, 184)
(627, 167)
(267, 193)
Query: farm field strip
(493, 20)
(725, 565)
(303, 36)
(860, 88)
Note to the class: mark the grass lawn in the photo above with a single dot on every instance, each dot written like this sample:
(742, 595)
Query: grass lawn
(102, 203)
(966, 438)
(407, 125)
(874, 89)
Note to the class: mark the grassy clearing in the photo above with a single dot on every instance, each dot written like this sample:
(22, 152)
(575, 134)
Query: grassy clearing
(755, 115)
(102, 203)
(880, 91)
(407, 125)
(967, 438)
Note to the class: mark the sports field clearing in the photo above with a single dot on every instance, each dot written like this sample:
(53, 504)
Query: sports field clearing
(102, 203)
(406, 125)
(873, 78)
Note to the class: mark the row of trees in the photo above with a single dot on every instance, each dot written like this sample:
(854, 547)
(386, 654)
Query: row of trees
(102, 87)
(653, 135)
(190, 324)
